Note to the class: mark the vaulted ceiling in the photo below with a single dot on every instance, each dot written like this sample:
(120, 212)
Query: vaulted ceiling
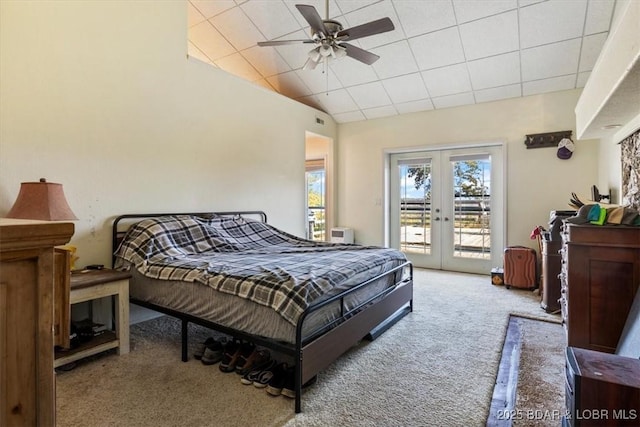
(442, 53)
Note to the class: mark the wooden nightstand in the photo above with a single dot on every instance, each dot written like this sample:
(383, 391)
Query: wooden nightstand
(87, 285)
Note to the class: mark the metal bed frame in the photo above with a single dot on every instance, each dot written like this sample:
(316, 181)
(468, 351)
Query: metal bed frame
(314, 352)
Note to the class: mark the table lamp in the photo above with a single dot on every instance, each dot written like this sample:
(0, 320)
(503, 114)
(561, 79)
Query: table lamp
(41, 200)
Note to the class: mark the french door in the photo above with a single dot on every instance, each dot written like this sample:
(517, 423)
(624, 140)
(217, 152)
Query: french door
(446, 208)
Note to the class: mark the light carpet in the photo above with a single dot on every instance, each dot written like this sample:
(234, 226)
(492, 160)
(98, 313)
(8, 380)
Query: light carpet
(436, 367)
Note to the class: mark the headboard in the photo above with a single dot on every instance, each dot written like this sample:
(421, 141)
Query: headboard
(122, 223)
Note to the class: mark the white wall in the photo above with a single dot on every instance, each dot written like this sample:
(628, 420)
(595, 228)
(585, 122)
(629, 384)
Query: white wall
(537, 181)
(100, 96)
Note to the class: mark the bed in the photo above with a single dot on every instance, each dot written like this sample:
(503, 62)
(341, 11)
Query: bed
(234, 273)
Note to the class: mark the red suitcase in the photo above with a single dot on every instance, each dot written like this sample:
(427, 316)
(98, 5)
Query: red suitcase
(520, 267)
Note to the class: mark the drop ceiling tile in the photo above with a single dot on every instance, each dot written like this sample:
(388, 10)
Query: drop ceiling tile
(194, 52)
(351, 116)
(311, 101)
(496, 93)
(447, 80)
(495, 71)
(418, 17)
(550, 60)
(237, 28)
(437, 49)
(581, 81)
(351, 72)
(236, 64)
(289, 84)
(211, 8)
(194, 17)
(372, 13)
(369, 95)
(405, 88)
(395, 59)
(525, 3)
(490, 36)
(272, 17)
(265, 84)
(295, 54)
(319, 5)
(318, 81)
(471, 10)
(267, 61)
(347, 6)
(454, 100)
(414, 106)
(598, 16)
(550, 22)
(210, 41)
(549, 85)
(591, 48)
(375, 113)
(337, 101)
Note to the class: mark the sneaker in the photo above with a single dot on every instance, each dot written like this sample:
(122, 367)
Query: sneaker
(202, 347)
(253, 376)
(242, 350)
(255, 359)
(213, 352)
(289, 387)
(279, 378)
(230, 355)
(262, 379)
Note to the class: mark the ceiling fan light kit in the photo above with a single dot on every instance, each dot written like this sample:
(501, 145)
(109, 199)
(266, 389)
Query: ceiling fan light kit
(330, 39)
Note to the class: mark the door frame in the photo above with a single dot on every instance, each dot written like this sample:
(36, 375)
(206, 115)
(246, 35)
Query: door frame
(445, 147)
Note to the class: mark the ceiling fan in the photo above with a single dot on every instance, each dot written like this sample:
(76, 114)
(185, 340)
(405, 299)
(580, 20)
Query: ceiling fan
(330, 39)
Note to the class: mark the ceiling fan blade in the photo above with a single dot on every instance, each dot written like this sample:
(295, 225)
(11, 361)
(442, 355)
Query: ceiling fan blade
(310, 14)
(310, 64)
(360, 54)
(370, 28)
(281, 42)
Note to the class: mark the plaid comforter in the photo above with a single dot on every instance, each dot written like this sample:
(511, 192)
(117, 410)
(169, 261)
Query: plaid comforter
(248, 258)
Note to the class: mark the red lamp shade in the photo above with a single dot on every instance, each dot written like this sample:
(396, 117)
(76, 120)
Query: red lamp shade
(41, 200)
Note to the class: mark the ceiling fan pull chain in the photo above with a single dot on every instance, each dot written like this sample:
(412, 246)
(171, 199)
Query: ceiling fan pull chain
(326, 71)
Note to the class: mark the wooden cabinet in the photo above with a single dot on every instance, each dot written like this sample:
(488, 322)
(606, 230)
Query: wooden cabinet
(600, 277)
(601, 389)
(27, 380)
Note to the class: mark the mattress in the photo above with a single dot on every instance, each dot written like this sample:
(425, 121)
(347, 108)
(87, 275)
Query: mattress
(241, 314)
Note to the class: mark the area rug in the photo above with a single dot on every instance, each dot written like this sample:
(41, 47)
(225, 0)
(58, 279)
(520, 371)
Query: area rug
(436, 367)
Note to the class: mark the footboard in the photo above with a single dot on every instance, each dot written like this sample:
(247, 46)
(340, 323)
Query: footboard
(376, 314)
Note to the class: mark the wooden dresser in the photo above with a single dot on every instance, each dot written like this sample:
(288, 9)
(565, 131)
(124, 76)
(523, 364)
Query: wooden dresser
(600, 277)
(27, 378)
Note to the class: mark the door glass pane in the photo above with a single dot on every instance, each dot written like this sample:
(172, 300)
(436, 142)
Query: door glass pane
(471, 206)
(316, 204)
(415, 206)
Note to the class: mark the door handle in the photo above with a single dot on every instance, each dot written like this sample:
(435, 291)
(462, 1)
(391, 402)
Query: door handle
(446, 218)
(436, 218)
